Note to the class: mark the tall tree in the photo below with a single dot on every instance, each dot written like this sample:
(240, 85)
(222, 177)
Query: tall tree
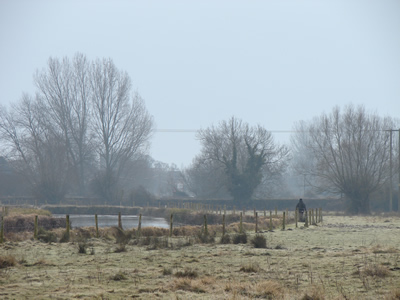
(345, 152)
(64, 91)
(242, 152)
(121, 123)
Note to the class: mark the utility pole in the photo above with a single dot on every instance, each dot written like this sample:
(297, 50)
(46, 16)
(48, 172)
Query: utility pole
(391, 173)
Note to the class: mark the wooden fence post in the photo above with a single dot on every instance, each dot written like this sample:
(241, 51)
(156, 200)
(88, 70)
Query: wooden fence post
(35, 228)
(223, 225)
(256, 222)
(2, 230)
(171, 224)
(306, 218)
(241, 223)
(96, 220)
(296, 215)
(270, 220)
(276, 211)
(283, 220)
(139, 228)
(312, 217)
(205, 225)
(119, 221)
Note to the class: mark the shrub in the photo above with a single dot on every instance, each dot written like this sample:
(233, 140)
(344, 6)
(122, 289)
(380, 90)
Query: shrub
(120, 248)
(7, 261)
(251, 268)
(187, 273)
(46, 236)
(240, 238)
(205, 238)
(259, 241)
(82, 248)
(226, 239)
(119, 276)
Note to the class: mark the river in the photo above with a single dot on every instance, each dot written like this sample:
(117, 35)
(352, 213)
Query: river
(112, 220)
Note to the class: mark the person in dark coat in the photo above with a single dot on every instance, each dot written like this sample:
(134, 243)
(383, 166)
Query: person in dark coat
(301, 208)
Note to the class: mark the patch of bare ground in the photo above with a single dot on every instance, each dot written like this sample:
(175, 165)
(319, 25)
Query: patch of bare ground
(341, 258)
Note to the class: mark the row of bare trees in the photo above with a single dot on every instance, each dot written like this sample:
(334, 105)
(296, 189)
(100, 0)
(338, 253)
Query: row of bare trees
(80, 128)
(86, 131)
(345, 153)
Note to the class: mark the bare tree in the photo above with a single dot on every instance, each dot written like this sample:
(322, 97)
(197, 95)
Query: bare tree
(39, 155)
(345, 152)
(64, 91)
(242, 151)
(121, 123)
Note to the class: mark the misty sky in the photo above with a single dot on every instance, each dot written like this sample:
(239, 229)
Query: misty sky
(199, 62)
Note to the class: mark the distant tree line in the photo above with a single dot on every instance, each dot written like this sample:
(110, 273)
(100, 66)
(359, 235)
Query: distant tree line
(84, 132)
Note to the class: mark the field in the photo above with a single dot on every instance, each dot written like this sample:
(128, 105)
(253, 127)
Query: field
(342, 258)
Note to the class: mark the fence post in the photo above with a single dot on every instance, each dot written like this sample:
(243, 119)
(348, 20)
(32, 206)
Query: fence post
(35, 228)
(276, 211)
(254, 210)
(205, 225)
(256, 222)
(320, 214)
(241, 223)
(139, 228)
(265, 213)
(171, 224)
(68, 226)
(119, 221)
(2, 230)
(270, 220)
(296, 215)
(97, 225)
(306, 218)
(283, 220)
(312, 217)
(223, 225)
(224, 209)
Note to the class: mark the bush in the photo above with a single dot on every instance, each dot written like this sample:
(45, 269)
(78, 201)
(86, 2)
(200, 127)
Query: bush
(205, 238)
(259, 241)
(7, 261)
(82, 248)
(187, 273)
(240, 238)
(46, 236)
(226, 239)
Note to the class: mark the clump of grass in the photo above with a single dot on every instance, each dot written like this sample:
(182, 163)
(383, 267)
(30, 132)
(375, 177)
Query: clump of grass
(259, 241)
(316, 293)
(82, 247)
(268, 290)
(187, 272)
(7, 261)
(240, 238)
(121, 248)
(225, 239)
(205, 238)
(375, 270)
(119, 276)
(46, 236)
(186, 284)
(393, 295)
(250, 268)
(167, 271)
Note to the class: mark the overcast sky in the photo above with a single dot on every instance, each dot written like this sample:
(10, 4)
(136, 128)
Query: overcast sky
(199, 62)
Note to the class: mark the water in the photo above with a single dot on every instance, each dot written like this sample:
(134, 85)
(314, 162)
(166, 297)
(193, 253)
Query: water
(128, 222)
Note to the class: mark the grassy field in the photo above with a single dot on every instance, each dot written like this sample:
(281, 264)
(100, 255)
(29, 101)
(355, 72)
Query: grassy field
(341, 258)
